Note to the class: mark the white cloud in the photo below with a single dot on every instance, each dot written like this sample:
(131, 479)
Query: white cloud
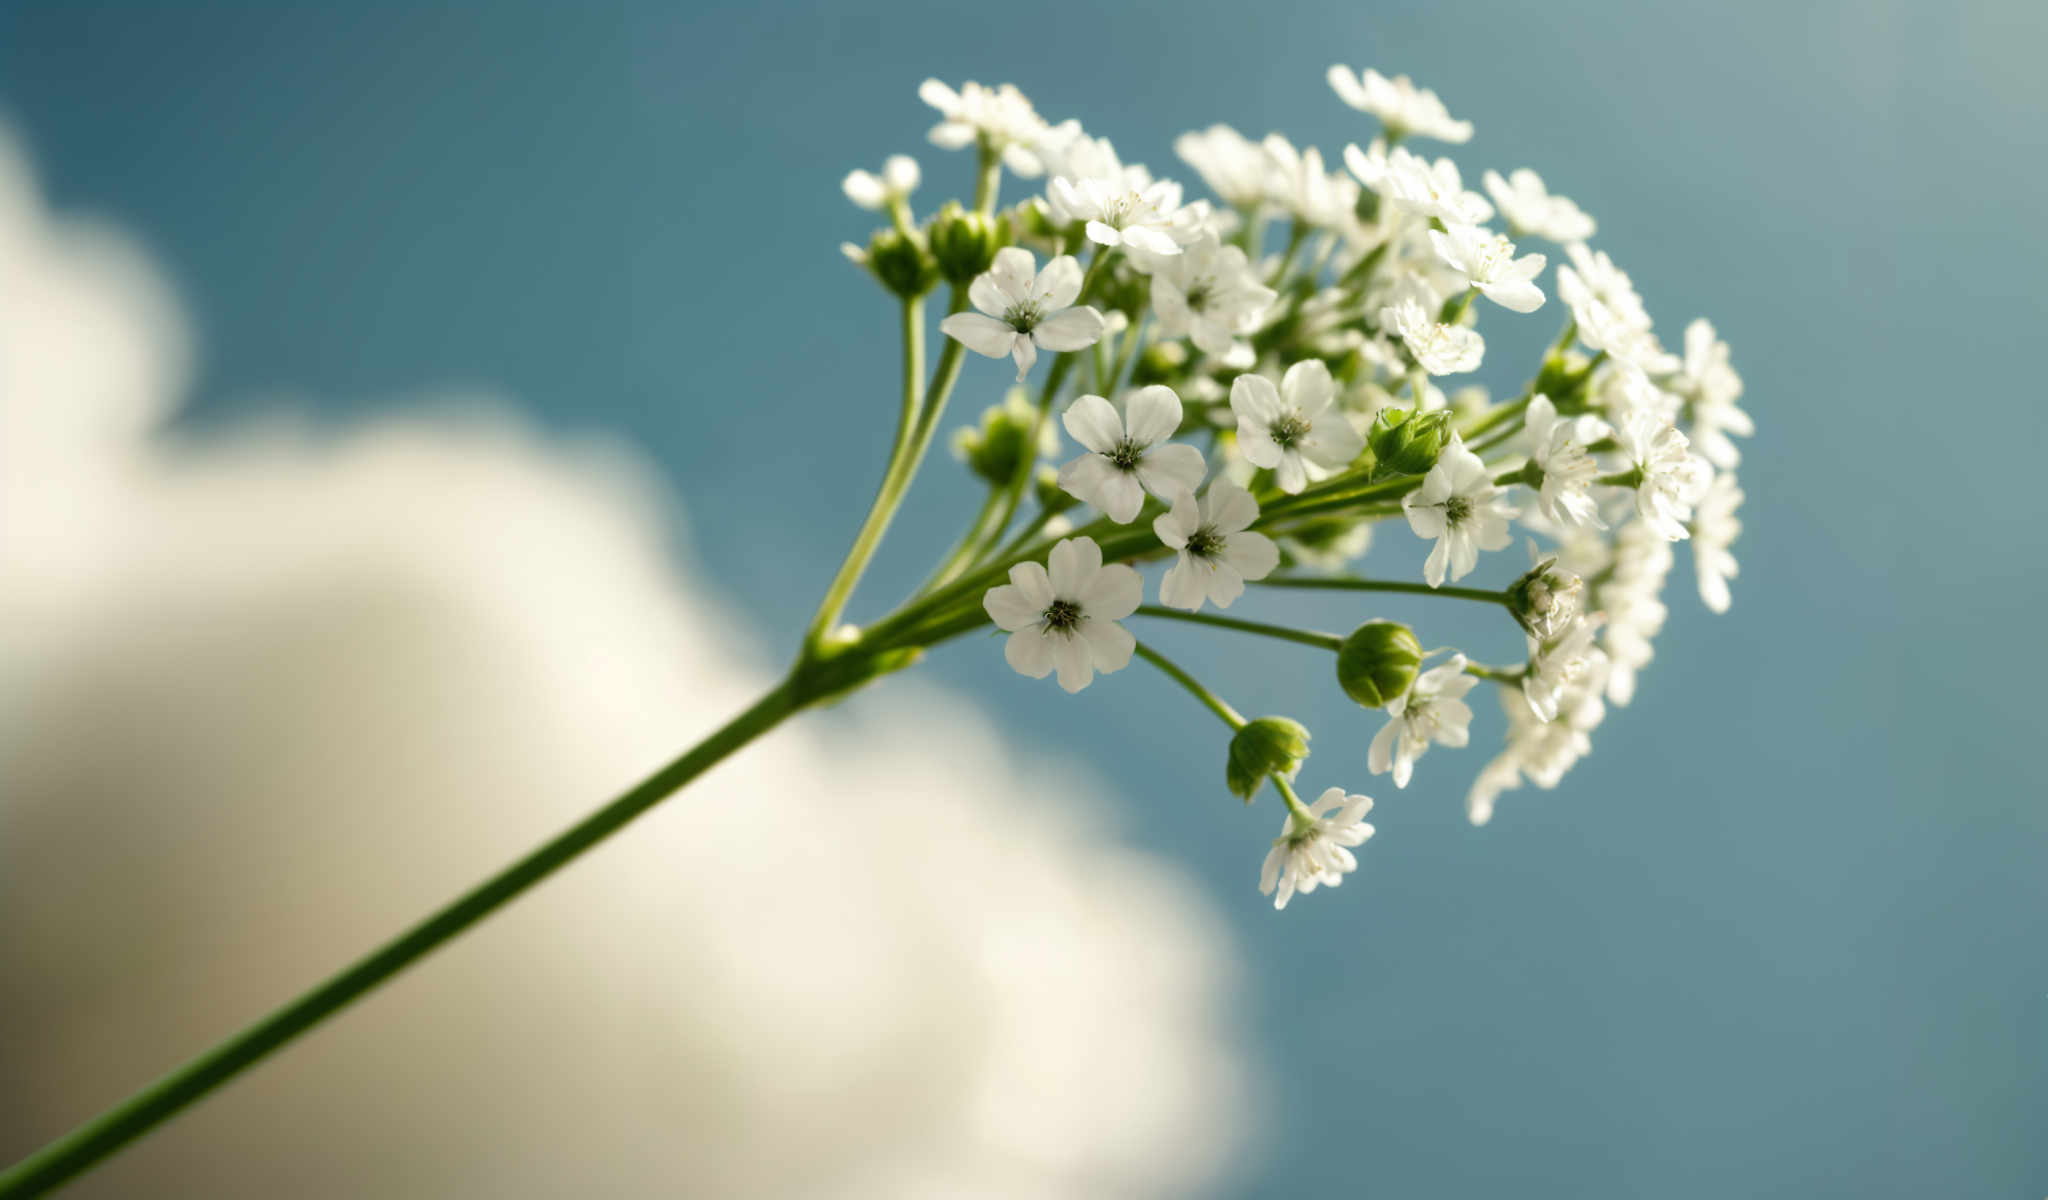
(265, 698)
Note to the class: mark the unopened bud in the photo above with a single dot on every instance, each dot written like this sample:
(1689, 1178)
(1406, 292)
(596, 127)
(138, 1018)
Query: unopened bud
(995, 449)
(1378, 662)
(1267, 746)
(965, 243)
(901, 263)
(1546, 600)
(1407, 442)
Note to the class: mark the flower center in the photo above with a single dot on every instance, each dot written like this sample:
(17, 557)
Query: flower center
(1288, 430)
(1200, 292)
(1456, 509)
(1204, 542)
(1024, 317)
(1061, 616)
(1125, 455)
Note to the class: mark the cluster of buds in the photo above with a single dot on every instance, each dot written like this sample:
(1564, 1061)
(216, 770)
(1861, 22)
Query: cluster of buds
(1253, 382)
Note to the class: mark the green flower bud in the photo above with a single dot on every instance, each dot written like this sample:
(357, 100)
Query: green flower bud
(1406, 442)
(1546, 600)
(1267, 746)
(899, 260)
(1378, 662)
(995, 448)
(965, 243)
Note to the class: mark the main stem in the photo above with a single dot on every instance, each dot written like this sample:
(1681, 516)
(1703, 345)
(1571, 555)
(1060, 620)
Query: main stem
(103, 1135)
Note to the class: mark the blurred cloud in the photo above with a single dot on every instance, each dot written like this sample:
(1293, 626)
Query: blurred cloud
(267, 696)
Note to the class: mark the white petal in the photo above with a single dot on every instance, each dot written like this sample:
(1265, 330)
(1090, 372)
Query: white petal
(865, 190)
(1113, 594)
(1030, 652)
(1086, 477)
(1177, 524)
(1253, 397)
(1070, 329)
(1251, 555)
(1109, 643)
(1010, 273)
(983, 335)
(1152, 414)
(1073, 564)
(1379, 757)
(1031, 579)
(1075, 662)
(1120, 496)
(1186, 583)
(1102, 235)
(1059, 285)
(1010, 608)
(1025, 353)
(1166, 470)
(1291, 474)
(1228, 508)
(1307, 386)
(1092, 421)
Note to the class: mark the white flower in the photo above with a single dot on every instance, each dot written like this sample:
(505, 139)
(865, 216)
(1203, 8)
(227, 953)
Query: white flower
(1561, 662)
(893, 186)
(1672, 478)
(1487, 261)
(1066, 620)
(1558, 447)
(1608, 284)
(1632, 598)
(1300, 185)
(1714, 529)
(1118, 213)
(1293, 431)
(1236, 168)
(1541, 750)
(1401, 106)
(1021, 315)
(1460, 507)
(1210, 295)
(1218, 551)
(1126, 458)
(1438, 348)
(1413, 184)
(1431, 710)
(1311, 850)
(1709, 383)
(1528, 207)
(1000, 118)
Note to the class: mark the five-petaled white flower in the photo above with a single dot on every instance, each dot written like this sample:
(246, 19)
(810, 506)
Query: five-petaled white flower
(1431, 710)
(1670, 477)
(999, 117)
(1413, 184)
(1317, 197)
(1558, 446)
(1561, 662)
(1714, 529)
(1210, 295)
(892, 187)
(1292, 430)
(1236, 168)
(1125, 456)
(1218, 551)
(1487, 261)
(1438, 348)
(1402, 108)
(1528, 207)
(1313, 847)
(1120, 212)
(1709, 383)
(1460, 507)
(1021, 315)
(1065, 620)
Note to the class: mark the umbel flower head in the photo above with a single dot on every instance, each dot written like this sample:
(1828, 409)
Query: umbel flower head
(1312, 850)
(1022, 314)
(1065, 619)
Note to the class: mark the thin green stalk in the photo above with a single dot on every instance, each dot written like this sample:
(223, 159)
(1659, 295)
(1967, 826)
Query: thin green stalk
(1209, 699)
(1296, 234)
(987, 180)
(1348, 583)
(86, 1145)
(1306, 637)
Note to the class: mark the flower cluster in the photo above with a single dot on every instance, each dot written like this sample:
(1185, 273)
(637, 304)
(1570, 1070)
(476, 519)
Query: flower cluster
(1254, 381)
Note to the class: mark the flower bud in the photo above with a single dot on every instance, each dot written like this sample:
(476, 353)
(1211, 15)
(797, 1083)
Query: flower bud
(1267, 746)
(899, 260)
(1546, 600)
(1407, 442)
(1378, 662)
(1052, 498)
(996, 448)
(1160, 362)
(965, 243)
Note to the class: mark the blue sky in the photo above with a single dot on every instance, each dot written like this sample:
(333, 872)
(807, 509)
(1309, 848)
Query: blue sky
(1781, 935)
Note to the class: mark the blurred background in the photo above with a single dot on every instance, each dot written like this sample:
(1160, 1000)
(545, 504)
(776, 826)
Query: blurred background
(420, 420)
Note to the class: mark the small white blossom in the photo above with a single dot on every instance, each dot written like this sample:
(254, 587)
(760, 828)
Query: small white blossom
(1487, 261)
(1126, 457)
(1210, 295)
(1431, 710)
(1065, 619)
(1528, 207)
(1714, 530)
(1317, 197)
(998, 117)
(892, 187)
(1543, 751)
(1292, 430)
(1236, 168)
(1558, 445)
(1120, 214)
(1672, 477)
(1021, 315)
(1312, 849)
(1561, 662)
(1401, 106)
(1608, 284)
(1460, 507)
(1415, 185)
(1438, 348)
(1632, 598)
(1710, 385)
(1218, 551)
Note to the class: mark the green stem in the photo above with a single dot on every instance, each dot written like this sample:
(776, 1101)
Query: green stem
(1346, 583)
(1326, 641)
(1296, 234)
(987, 180)
(1209, 699)
(86, 1145)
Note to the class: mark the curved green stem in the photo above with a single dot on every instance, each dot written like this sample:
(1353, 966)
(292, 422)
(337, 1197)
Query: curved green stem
(86, 1145)
(1209, 699)
(1307, 637)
